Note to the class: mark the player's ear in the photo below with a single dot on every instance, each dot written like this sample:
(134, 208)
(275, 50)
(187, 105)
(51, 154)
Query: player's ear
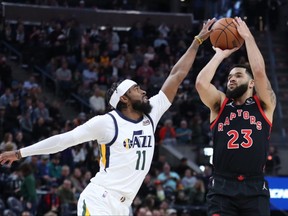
(124, 99)
(251, 83)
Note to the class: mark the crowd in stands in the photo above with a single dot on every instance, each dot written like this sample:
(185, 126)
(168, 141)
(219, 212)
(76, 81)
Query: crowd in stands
(86, 60)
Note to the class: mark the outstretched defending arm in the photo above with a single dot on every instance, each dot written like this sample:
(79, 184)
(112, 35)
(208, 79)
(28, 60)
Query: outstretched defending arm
(182, 67)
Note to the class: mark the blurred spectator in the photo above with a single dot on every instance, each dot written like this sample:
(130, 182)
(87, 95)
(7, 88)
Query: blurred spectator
(193, 187)
(30, 83)
(40, 129)
(183, 133)
(12, 183)
(64, 79)
(150, 54)
(182, 166)
(138, 56)
(55, 110)
(167, 133)
(90, 75)
(156, 81)
(8, 32)
(6, 97)
(169, 180)
(41, 111)
(6, 72)
(65, 174)
(67, 197)
(54, 167)
(76, 180)
(19, 139)
(164, 29)
(118, 62)
(273, 163)
(79, 155)
(147, 187)
(8, 142)
(28, 188)
(198, 134)
(145, 71)
(160, 41)
(3, 121)
(13, 114)
(86, 178)
(93, 157)
(26, 125)
(34, 161)
(49, 202)
(97, 101)
(43, 170)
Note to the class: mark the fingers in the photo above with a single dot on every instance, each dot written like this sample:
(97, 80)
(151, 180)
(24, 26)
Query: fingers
(238, 21)
(4, 160)
(209, 22)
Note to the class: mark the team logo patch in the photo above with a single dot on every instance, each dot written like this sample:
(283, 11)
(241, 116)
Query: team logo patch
(127, 143)
(146, 122)
(138, 140)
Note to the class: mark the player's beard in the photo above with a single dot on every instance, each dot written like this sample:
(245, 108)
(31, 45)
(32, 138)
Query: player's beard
(237, 92)
(143, 107)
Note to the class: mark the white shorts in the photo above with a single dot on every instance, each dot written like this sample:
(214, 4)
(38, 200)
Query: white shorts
(96, 200)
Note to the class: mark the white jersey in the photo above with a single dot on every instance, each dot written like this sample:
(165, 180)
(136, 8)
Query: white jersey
(126, 146)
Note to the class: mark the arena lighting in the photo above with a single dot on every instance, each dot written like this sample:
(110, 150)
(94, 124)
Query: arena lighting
(202, 168)
(118, 28)
(208, 151)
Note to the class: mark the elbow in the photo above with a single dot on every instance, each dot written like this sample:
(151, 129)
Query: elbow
(199, 85)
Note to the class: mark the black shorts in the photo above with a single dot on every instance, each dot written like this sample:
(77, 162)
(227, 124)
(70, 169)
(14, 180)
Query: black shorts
(238, 196)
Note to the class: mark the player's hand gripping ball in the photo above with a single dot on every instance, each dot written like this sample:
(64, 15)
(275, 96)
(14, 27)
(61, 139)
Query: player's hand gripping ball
(225, 34)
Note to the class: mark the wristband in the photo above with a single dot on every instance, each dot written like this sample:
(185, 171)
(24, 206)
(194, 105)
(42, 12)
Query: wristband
(18, 154)
(200, 40)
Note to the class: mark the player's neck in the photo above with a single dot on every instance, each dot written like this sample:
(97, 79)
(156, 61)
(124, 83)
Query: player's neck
(132, 114)
(243, 98)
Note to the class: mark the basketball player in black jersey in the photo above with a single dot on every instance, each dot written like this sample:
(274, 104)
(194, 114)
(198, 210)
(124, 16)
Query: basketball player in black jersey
(241, 122)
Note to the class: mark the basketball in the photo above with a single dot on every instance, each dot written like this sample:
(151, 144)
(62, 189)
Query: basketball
(225, 34)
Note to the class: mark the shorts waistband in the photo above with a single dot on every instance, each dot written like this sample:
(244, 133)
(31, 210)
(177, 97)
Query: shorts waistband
(239, 177)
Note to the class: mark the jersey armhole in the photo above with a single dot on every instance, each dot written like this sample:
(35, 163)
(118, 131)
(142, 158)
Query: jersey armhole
(218, 116)
(149, 117)
(116, 130)
(261, 110)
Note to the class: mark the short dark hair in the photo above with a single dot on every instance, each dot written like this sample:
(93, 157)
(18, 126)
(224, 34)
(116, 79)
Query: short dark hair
(109, 93)
(246, 67)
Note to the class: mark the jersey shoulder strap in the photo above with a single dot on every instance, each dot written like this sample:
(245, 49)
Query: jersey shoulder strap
(116, 130)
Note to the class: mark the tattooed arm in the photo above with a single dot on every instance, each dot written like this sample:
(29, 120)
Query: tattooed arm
(262, 85)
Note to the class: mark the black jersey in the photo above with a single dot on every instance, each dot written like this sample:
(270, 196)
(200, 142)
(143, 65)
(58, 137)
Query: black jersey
(240, 137)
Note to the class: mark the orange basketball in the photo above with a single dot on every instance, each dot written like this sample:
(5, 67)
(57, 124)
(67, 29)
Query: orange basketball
(225, 34)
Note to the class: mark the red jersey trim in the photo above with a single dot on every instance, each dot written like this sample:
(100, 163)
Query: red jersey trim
(221, 110)
(261, 110)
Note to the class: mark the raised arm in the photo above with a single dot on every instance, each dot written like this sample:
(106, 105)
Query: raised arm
(182, 67)
(262, 85)
(208, 93)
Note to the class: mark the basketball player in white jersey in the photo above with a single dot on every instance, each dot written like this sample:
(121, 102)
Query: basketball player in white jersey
(125, 136)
